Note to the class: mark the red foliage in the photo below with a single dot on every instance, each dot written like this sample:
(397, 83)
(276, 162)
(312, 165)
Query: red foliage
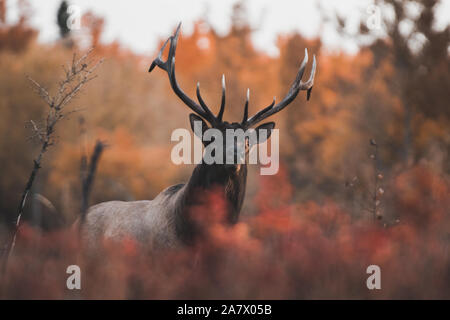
(285, 251)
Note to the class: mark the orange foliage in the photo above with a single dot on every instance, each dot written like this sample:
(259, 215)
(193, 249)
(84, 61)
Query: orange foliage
(95, 26)
(127, 170)
(19, 36)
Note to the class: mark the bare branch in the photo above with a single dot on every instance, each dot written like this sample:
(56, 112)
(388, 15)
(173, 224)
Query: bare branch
(88, 177)
(43, 93)
(77, 75)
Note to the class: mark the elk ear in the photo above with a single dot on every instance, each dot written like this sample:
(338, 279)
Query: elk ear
(264, 131)
(198, 125)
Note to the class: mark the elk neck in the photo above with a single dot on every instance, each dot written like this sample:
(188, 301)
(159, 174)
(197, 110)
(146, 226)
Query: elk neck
(218, 178)
(231, 182)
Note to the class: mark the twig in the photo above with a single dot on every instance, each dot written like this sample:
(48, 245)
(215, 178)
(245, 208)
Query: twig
(374, 196)
(375, 186)
(377, 191)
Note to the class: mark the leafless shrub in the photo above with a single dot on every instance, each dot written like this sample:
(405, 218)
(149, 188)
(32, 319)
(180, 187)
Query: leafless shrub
(372, 196)
(76, 75)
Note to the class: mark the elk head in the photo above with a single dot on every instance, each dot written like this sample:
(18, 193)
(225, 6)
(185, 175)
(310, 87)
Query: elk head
(202, 114)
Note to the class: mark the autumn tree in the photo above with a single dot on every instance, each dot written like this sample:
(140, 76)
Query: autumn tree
(418, 53)
(94, 26)
(2, 11)
(62, 19)
(18, 36)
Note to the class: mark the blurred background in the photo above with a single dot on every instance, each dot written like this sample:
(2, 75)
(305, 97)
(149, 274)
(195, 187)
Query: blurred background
(383, 76)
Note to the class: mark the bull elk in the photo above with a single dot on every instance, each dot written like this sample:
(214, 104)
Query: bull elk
(165, 221)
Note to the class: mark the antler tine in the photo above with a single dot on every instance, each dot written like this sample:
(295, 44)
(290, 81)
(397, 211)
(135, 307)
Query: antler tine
(244, 120)
(174, 41)
(300, 72)
(297, 85)
(222, 104)
(158, 61)
(202, 102)
(308, 85)
(169, 67)
(260, 113)
(173, 44)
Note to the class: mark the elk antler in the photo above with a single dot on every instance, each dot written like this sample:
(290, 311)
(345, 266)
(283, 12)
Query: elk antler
(205, 112)
(292, 94)
(169, 67)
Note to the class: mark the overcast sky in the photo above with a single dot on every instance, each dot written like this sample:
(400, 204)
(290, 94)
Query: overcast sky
(139, 24)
